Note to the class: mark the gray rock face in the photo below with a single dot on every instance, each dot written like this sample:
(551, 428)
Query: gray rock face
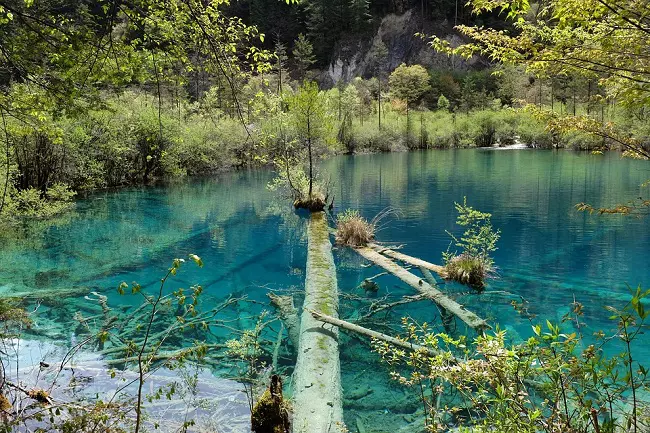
(353, 57)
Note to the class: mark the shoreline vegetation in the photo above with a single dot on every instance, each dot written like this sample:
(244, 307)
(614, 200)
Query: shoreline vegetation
(119, 146)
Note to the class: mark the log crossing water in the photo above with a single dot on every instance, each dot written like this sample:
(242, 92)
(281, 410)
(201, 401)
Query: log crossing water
(317, 376)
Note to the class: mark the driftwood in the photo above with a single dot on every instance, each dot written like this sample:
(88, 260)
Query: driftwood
(288, 314)
(471, 319)
(440, 270)
(317, 375)
(371, 334)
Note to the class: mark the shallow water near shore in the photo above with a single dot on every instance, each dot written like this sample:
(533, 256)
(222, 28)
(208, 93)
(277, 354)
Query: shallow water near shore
(251, 242)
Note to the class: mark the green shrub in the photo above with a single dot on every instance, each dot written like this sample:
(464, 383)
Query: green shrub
(32, 203)
(369, 138)
(560, 379)
(474, 262)
(577, 140)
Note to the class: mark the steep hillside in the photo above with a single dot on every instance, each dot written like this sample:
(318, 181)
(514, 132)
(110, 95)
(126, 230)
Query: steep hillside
(355, 55)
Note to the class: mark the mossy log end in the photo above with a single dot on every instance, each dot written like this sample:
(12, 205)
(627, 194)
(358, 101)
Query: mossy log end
(314, 204)
(471, 319)
(440, 270)
(271, 412)
(317, 377)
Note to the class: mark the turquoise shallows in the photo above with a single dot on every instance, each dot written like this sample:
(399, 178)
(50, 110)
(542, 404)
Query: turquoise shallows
(251, 242)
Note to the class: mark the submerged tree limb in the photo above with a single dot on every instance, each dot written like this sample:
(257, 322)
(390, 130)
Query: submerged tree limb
(471, 319)
(370, 333)
(378, 307)
(447, 318)
(288, 314)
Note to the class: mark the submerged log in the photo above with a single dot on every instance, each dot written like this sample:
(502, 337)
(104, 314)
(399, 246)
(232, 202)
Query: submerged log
(440, 270)
(372, 334)
(317, 376)
(471, 319)
(447, 318)
(288, 313)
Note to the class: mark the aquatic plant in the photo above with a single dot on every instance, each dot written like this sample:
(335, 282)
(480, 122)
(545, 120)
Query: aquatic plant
(354, 230)
(553, 382)
(474, 263)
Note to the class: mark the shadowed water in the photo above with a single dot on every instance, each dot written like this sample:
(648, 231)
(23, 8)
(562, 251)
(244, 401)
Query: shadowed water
(251, 242)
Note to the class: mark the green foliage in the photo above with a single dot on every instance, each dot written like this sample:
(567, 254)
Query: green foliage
(312, 125)
(246, 352)
(409, 83)
(571, 42)
(33, 203)
(474, 262)
(443, 103)
(303, 54)
(555, 381)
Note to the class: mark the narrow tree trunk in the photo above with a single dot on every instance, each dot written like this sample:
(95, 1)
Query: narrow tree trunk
(311, 162)
(440, 270)
(379, 100)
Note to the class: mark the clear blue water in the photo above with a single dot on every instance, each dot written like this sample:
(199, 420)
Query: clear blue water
(252, 242)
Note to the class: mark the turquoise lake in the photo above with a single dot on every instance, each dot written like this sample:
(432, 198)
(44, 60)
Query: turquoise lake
(252, 242)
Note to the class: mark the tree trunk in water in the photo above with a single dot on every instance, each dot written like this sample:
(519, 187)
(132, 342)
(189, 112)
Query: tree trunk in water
(311, 162)
(317, 377)
(440, 270)
(288, 313)
(471, 319)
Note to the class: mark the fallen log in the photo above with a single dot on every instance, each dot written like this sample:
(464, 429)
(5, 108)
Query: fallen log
(288, 314)
(317, 376)
(471, 319)
(440, 270)
(446, 317)
(372, 334)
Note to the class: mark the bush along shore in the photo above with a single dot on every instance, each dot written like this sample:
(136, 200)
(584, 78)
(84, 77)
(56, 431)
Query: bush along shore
(132, 139)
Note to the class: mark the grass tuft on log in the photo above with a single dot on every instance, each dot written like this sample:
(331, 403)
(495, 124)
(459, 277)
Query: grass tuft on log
(354, 230)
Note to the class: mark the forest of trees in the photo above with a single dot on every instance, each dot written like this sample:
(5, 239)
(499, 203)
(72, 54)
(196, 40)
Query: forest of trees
(108, 93)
